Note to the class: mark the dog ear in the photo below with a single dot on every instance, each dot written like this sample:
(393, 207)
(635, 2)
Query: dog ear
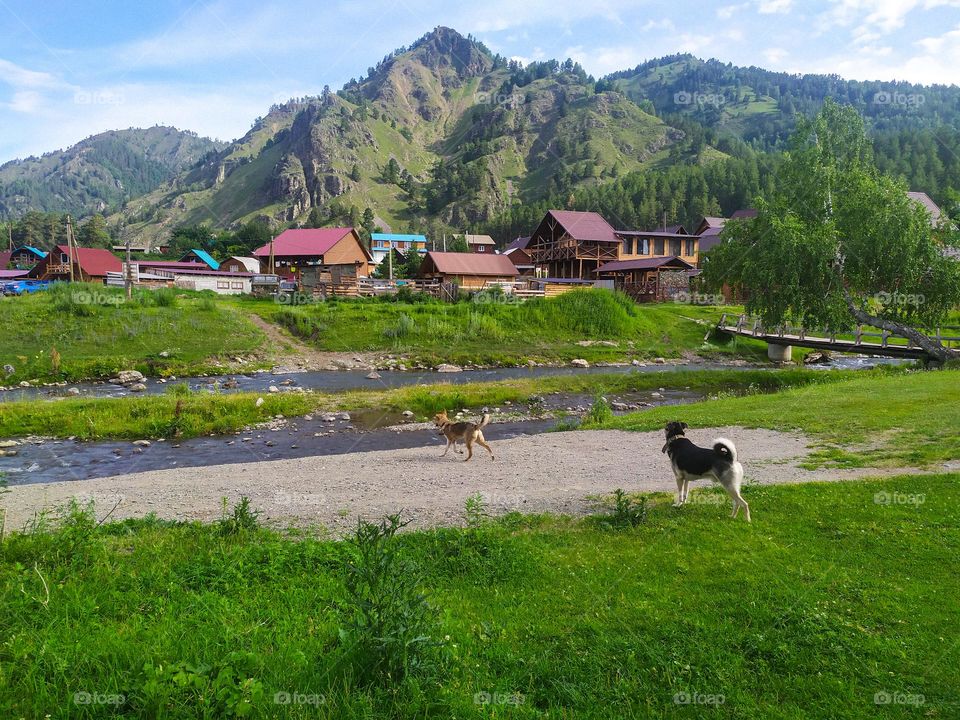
(684, 425)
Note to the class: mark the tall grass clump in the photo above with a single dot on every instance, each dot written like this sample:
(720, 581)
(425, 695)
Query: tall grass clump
(405, 327)
(390, 630)
(590, 312)
(600, 411)
(301, 325)
(165, 297)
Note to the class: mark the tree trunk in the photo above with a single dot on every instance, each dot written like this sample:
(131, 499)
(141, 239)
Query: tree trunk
(934, 348)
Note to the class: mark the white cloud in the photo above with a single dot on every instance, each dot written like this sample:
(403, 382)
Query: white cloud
(25, 101)
(774, 7)
(664, 24)
(728, 11)
(21, 77)
(775, 55)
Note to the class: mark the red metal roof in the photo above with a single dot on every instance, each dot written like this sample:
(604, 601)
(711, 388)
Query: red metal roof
(644, 264)
(519, 244)
(303, 242)
(170, 264)
(95, 262)
(10, 274)
(654, 233)
(585, 225)
(452, 263)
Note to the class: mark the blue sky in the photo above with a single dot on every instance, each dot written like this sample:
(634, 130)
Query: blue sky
(69, 69)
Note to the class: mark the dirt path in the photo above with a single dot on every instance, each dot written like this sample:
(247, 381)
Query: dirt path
(554, 472)
(291, 354)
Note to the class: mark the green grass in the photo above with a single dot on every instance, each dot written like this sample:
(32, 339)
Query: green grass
(916, 416)
(97, 333)
(827, 601)
(492, 332)
(205, 413)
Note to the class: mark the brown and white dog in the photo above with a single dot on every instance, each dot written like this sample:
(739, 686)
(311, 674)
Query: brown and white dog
(467, 432)
(691, 462)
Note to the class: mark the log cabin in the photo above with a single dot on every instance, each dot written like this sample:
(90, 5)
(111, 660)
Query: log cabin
(89, 264)
(337, 250)
(573, 244)
(470, 271)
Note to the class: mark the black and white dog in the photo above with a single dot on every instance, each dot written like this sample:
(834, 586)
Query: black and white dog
(691, 462)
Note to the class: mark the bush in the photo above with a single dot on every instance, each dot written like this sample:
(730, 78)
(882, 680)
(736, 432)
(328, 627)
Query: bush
(390, 630)
(165, 297)
(600, 412)
(404, 327)
(242, 518)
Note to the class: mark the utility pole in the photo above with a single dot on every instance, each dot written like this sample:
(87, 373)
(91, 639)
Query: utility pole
(128, 283)
(444, 242)
(70, 246)
(390, 260)
(271, 266)
(10, 236)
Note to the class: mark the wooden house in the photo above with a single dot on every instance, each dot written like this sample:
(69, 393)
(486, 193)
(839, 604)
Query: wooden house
(517, 252)
(649, 279)
(89, 264)
(24, 257)
(200, 256)
(338, 250)
(638, 244)
(572, 244)
(470, 271)
(240, 263)
(480, 243)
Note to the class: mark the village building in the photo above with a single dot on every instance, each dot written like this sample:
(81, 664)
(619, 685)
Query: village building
(23, 257)
(200, 278)
(240, 263)
(338, 251)
(573, 244)
(470, 271)
(649, 279)
(382, 243)
(200, 256)
(89, 264)
(480, 243)
(517, 252)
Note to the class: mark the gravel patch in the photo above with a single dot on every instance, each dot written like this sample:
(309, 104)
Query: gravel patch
(553, 472)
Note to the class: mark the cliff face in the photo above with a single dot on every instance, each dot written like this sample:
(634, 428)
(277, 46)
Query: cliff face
(442, 131)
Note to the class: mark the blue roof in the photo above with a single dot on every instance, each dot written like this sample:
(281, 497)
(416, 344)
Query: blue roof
(35, 251)
(395, 236)
(206, 257)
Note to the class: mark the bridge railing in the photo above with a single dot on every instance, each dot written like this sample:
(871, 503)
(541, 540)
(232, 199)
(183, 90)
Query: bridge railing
(754, 327)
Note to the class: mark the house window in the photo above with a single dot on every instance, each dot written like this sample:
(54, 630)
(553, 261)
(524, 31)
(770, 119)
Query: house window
(628, 246)
(690, 247)
(236, 285)
(64, 259)
(658, 246)
(223, 284)
(644, 246)
(674, 247)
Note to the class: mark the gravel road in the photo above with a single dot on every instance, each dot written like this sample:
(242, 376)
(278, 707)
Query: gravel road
(556, 472)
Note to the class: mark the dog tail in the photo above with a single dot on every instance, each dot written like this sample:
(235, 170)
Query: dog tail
(725, 449)
(484, 421)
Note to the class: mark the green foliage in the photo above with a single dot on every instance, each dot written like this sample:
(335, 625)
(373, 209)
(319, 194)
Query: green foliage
(239, 519)
(600, 411)
(390, 629)
(224, 689)
(627, 513)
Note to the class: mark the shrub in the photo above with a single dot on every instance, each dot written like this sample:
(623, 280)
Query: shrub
(241, 519)
(404, 327)
(390, 630)
(165, 297)
(600, 411)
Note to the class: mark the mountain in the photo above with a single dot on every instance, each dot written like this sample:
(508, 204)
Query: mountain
(760, 107)
(101, 172)
(442, 131)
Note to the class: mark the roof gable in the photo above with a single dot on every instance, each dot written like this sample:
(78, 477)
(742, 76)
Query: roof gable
(581, 226)
(452, 263)
(304, 242)
(93, 261)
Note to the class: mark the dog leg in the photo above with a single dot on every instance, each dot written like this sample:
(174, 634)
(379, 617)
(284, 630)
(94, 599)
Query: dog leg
(686, 490)
(469, 443)
(449, 443)
(481, 443)
(679, 501)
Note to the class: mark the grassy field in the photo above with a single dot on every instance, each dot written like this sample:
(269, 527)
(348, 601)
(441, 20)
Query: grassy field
(833, 603)
(205, 413)
(492, 331)
(97, 333)
(865, 420)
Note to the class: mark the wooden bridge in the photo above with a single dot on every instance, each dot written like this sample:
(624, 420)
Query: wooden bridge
(783, 337)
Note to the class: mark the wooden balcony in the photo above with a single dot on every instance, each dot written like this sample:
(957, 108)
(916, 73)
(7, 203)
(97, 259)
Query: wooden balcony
(599, 252)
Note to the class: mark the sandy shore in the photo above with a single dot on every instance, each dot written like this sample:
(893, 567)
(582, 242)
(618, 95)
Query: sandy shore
(555, 472)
